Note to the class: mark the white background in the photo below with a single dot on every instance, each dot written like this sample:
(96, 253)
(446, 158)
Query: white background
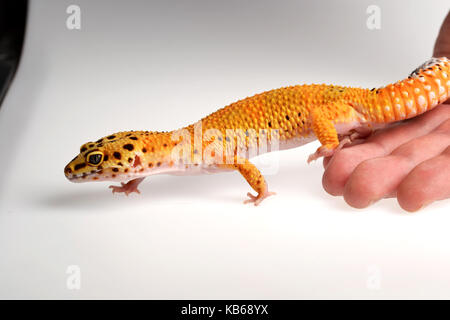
(162, 65)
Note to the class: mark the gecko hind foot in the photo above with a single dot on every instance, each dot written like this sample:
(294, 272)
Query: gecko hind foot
(321, 152)
(324, 151)
(256, 200)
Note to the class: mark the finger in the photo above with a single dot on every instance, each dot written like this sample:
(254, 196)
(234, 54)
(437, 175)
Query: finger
(378, 178)
(442, 45)
(343, 163)
(428, 182)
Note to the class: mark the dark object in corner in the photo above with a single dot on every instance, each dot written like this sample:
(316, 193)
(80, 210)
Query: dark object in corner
(13, 14)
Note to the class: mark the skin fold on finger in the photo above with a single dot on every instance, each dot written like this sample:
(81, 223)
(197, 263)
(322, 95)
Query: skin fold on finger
(428, 182)
(342, 164)
(379, 178)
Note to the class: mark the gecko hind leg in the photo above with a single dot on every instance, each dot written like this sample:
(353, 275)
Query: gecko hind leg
(129, 187)
(325, 131)
(254, 178)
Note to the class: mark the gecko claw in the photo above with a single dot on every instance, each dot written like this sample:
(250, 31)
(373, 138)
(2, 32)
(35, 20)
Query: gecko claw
(256, 200)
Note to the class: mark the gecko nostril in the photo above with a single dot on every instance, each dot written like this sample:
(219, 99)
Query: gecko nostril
(67, 169)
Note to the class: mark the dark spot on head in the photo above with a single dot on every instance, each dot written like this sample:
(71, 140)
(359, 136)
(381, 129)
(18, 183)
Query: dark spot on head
(133, 138)
(299, 114)
(142, 169)
(113, 175)
(95, 178)
(93, 171)
(128, 134)
(100, 172)
(144, 150)
(115, 169)
(270, 124)
(117, 155)
(287, 117)
(105, 158)
(83, 149)
(80, 166)
(91, 145)
(150, 165)
(111, 137)
(130, 160)
(128, 147)
(99, 145)
(99, 140)
(120, 164)
(126, 170)
(165, 145)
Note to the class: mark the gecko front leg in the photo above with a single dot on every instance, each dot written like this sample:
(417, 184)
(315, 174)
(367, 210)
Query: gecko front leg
(129, 187)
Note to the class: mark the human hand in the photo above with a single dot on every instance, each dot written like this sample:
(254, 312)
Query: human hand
(410, 161)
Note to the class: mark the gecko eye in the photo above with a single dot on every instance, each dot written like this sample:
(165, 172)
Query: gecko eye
(94, 158)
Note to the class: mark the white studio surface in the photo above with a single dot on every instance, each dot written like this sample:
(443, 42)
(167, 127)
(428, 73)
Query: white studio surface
(162, 65)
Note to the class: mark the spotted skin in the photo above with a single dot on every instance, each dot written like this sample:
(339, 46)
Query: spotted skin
(334, 115)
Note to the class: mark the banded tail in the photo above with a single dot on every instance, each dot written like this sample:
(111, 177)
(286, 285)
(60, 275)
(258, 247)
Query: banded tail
(425, 88)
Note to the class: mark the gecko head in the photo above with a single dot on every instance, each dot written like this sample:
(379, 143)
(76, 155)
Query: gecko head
(120, 156)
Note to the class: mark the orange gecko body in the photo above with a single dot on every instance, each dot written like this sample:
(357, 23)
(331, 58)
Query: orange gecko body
(276, 119)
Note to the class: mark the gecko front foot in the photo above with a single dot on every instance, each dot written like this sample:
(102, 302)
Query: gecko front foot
(256, 200)
(129, 187)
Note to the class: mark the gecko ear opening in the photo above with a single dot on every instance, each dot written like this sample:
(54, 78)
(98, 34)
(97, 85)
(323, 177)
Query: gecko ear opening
(94, 158)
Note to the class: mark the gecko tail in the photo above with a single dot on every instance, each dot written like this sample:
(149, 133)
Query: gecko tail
(425, 88)
(427, 64)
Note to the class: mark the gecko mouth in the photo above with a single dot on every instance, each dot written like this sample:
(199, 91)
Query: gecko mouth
(80, 177)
